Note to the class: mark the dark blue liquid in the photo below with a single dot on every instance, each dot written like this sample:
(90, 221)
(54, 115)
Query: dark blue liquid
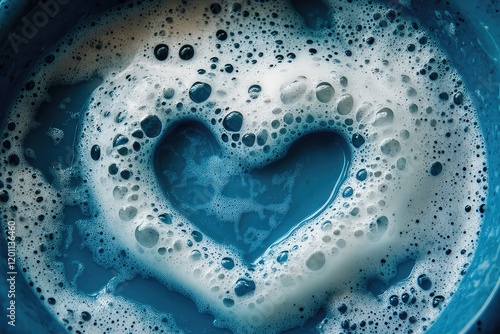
(64, 111)
(283, 194)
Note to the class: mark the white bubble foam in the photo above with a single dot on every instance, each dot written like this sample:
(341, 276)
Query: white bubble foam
(333, 82)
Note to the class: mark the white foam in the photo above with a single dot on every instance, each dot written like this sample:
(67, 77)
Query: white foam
(400, 211)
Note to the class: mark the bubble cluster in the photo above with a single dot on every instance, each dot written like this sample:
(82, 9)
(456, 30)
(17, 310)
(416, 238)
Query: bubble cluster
(258, 77)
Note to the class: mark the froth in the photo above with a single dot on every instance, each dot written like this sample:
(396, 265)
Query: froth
(258, 80)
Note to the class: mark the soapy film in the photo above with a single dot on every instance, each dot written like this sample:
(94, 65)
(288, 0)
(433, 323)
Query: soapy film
(259, 76)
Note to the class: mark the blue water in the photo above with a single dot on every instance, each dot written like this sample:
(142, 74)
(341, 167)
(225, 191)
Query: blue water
(63, 112)
(265, 203)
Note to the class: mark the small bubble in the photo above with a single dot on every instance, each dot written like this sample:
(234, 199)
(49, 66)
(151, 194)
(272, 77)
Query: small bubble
(345, 104)
(324, 92)
(293, 91)
(186, 52)
(436, 169)
(119, 192)
(424, 282)
(233, 121)
(165, 218)
(394, 300)
(436, 301)
(390, 147)
(197, 236)
(86, 316)
(128, 213)
(316, 261)
(458, 98)
(228, 302)
(200, 92)
(254, 91)
(282, 257)
(95, 152)
(119, 140)
(161, 52)
(244, 287)
(215, 8)
(228, 263)
(221, 35)
(348, 192)
(146, 236)
(361, 175)
(401, 164)
(357, 140)
(384, 117)
(168, 93)
(151, 125)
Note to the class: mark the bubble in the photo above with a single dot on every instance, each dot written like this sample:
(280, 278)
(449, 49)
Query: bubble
(128, 213)
(361, 175)
(146, 236)
(316, 261)
(86, 316)
(195, 255)
(343, 81)
(95, 152)
(151, 125)
(363, 111)
(384, 117)
(248, 139)
(348, 192)
(458, 98)
(254, 91)
(262, 137)
(165, 218)
(437, 300)
(138, 134)
(119, 140)
(233, 121)
(345, 104)
(215, 8)
(228, 263)
(168, 93)
(186, 52)
(401, 164)
(197, 236)
(244, 287)
(119, 192)
(293, 91)
(378, 228)
(221, 35)
(113, 169)
(327, 226)
(357, 140)
(4, 196)
(30, 85)
(424, 282)
(324, 92)
(390, 147)
(200, 92)
(228, 302)
(394, 300)
(436, 168)
(161, 52)
(282, 257)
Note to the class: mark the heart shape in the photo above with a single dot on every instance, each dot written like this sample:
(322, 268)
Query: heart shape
(249, 209)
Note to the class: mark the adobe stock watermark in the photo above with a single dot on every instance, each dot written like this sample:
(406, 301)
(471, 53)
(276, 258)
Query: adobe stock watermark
(33, 22)
(11, 273)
